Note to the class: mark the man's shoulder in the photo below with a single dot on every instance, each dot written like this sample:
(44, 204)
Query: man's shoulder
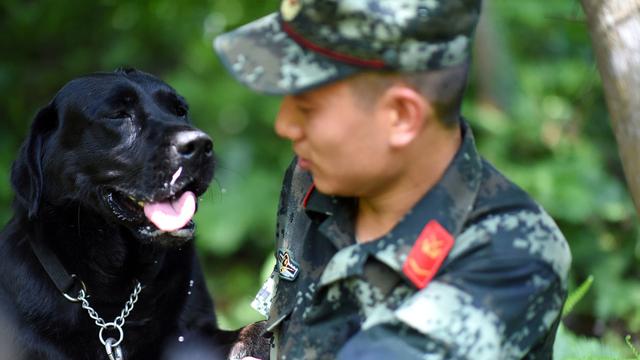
(497, 193)
(519, 235)
(506, 223)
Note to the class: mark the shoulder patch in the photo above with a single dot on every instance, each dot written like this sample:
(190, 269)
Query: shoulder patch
(428, 253)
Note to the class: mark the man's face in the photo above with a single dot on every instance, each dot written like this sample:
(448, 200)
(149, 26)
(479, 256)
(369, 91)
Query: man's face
(338, 138)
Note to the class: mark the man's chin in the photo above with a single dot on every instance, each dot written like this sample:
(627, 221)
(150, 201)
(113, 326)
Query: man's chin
(331, 188)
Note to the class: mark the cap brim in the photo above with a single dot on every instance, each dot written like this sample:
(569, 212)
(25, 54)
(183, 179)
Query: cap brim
(263, 57)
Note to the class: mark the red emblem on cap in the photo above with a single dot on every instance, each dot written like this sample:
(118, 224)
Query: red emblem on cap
(428, 253)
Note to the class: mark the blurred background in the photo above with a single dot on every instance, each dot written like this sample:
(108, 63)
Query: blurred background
(535, 102)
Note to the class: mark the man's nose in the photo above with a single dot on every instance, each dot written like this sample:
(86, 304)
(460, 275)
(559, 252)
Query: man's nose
(288, 121)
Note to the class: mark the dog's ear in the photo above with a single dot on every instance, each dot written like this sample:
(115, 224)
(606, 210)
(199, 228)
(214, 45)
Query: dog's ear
(26, 173)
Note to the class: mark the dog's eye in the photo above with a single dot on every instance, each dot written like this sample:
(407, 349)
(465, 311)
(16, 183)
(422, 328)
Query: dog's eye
(181, 111)
(118, 115)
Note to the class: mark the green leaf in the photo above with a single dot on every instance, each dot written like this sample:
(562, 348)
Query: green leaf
(576, 296)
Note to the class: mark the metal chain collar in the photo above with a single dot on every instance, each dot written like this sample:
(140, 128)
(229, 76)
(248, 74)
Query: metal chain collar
(112, 346)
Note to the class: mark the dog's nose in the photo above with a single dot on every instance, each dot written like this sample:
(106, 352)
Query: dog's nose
(191, 143)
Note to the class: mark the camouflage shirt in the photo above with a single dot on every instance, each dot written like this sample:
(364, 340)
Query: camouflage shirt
(497, 295)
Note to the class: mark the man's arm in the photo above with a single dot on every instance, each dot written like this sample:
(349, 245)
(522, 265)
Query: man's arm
(497, 311)
(499, 297)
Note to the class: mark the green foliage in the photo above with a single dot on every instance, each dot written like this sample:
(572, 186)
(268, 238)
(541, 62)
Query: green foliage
(636, 354)
(569, 346)
(577, 295)
(555, 141)
(551, 135)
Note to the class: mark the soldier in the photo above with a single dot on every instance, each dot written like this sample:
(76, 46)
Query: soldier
(395, 238)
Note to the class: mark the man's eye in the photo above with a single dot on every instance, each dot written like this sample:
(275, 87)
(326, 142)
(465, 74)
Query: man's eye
(306, 110)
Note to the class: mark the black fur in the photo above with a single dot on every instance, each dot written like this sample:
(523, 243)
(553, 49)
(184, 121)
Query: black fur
(106, 136)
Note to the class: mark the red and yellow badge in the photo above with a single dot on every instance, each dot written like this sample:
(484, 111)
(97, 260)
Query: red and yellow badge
(428, 253)
(290, 9)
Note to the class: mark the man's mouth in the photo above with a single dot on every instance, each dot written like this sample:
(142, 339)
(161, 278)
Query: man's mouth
(304, 163)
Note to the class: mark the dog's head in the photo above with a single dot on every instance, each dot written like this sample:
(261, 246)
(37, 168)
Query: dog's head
(121, 144)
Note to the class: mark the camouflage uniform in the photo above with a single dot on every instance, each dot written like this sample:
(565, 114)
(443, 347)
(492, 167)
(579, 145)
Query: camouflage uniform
(493, 288)
(498, 294)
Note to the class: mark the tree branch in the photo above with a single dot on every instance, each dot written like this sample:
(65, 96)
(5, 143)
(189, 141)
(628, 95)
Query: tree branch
(614, 26)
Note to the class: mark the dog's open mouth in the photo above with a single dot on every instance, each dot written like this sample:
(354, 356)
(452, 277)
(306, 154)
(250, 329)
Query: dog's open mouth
(173, 213)
(171, 216)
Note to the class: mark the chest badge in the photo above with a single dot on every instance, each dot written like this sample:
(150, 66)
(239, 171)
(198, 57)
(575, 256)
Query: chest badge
(287, 268)
(428, 253)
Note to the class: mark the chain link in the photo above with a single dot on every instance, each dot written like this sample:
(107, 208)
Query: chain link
(92, 313)
(118, 323)
(133, 298)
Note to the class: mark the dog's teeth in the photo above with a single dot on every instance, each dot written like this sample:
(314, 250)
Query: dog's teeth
(140, 203)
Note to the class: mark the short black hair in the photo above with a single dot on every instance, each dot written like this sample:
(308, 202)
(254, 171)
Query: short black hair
(443, 88)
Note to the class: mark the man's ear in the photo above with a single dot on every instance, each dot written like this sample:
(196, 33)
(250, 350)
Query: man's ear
(26, 173)
(406, 112)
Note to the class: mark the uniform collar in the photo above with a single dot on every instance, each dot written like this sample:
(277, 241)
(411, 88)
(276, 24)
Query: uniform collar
(336, 215)
(448, 202)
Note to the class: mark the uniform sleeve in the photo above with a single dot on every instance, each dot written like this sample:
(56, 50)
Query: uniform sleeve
(486, 307)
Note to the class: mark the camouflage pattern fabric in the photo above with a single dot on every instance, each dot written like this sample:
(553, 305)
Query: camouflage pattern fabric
(312, 42)
(498, 294)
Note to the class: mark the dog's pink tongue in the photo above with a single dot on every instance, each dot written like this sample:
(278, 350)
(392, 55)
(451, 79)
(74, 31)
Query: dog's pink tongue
(172, 215)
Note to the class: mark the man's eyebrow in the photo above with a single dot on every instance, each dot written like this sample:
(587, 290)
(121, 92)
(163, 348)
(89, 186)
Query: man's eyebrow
(303, 97)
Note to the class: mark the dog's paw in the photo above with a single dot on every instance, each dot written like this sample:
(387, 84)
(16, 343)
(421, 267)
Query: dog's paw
(251, 343)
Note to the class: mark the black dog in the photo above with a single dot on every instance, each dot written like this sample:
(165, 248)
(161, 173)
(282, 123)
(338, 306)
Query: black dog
(106, 185)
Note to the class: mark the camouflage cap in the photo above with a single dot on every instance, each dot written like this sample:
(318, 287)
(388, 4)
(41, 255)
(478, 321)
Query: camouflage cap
(312, 42)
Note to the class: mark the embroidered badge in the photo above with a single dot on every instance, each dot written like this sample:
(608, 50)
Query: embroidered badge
(264, 298)
(428, 253)
(290, 9)
(287, 267)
